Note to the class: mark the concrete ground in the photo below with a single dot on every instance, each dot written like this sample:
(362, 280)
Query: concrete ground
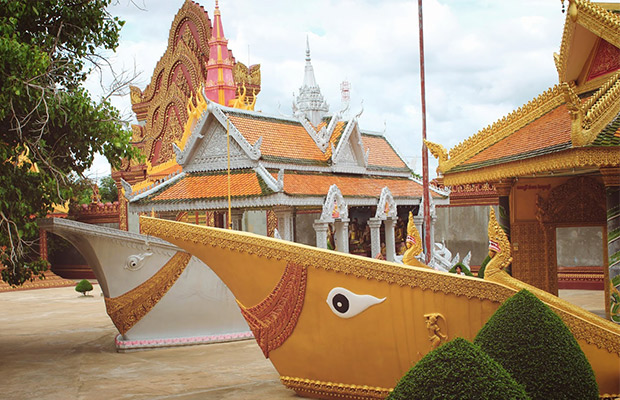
(56, 344)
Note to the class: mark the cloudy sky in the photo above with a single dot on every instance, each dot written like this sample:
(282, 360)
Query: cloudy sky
(483, 58)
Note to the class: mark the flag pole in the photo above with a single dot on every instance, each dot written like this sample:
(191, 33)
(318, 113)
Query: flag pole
(228, 152)
(425, 183)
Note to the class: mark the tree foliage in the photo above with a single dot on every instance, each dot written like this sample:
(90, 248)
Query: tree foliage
(50, 127)
(108, 189)
(83, 286)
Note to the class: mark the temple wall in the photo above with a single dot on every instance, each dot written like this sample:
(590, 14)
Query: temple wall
(255, 221)
(304, 231)
(464, 229)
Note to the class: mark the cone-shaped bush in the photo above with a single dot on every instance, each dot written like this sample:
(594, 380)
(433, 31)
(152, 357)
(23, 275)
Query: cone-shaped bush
(465, 270)
(532, 343)
(483, 267)
(83, 286)
(457, 370)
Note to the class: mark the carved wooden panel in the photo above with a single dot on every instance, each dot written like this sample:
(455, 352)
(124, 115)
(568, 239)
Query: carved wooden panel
(530, 263)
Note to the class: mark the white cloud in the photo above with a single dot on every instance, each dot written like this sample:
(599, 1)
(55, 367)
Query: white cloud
(483, 58)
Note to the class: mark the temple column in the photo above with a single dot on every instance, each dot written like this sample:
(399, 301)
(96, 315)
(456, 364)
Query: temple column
(320, 227)
(133, 221)
(285, 216)
(236, 216)
(418, 221)
(390, 243)
(342, 235)
(611, 179)
(503, 188)
(375, 236)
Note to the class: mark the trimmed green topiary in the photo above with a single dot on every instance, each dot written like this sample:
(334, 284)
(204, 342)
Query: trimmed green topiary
(483, 266)
(465, 270)
(83, 286)
(457, 370)
(528, 339)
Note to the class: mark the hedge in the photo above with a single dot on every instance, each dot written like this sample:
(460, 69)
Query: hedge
(457, 370)
(532, 343)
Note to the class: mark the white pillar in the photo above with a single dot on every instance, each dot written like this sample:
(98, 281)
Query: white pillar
(320, 228)
(133, 222)
(390, 243)
(418, 221)
(237, 219)
(342, 235)
(285, 217)
(375, 236)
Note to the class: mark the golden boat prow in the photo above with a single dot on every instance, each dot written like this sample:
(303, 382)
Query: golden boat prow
(336, 325)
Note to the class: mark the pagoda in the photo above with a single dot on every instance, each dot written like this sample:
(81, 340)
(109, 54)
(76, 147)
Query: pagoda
(315, 176)
(555, 162)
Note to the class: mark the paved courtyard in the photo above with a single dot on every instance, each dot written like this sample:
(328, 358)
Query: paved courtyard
(56, 344)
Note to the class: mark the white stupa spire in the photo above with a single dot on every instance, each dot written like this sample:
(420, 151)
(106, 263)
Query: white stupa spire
(310, 101)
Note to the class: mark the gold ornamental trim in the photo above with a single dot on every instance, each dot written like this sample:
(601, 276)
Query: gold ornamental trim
(362, 267)
(502, 128)
(574, 158)
(273, 320)
(594, 18)
(129, 308)
(337, 390)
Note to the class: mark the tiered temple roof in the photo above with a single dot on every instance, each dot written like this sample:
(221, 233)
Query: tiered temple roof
(574, 125)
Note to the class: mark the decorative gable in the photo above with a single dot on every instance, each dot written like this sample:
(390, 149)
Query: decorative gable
(211, 139)
(211, 153)
(606, 59)
(349, 155)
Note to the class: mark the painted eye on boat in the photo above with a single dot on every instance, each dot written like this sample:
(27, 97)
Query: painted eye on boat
(346, 304)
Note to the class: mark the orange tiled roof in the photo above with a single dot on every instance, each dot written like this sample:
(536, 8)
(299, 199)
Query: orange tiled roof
(298, 183)
(202, 186)
(381, 152)
(247, 183)
(288, 140)
(547, 132)
(281, 138)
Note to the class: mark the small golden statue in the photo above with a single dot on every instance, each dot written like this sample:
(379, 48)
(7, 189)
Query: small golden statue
(434, 331)
(499, 247)
(413, 243)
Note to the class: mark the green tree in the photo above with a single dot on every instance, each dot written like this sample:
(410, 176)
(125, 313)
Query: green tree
(108, 190)
(47, 118)
(83, 286)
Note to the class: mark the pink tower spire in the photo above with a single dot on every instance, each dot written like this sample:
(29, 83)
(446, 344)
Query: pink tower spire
(220, 86)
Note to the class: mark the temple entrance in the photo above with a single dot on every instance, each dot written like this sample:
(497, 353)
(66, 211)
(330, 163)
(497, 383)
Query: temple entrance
(573, 220)
(580, 257)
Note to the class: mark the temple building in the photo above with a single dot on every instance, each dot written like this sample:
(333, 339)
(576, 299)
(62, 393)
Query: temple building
(555, 162)
(315, 176)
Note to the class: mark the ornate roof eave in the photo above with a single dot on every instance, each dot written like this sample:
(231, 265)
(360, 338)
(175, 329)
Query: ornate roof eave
(592, 17)
(590, 117)
(502, 128)
(583, 158)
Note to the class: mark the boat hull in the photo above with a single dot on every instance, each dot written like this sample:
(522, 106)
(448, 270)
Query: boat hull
(286, 292)
(156, 294)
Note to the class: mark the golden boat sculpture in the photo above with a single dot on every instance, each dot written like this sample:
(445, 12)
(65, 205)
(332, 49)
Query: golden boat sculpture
(337, 325)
